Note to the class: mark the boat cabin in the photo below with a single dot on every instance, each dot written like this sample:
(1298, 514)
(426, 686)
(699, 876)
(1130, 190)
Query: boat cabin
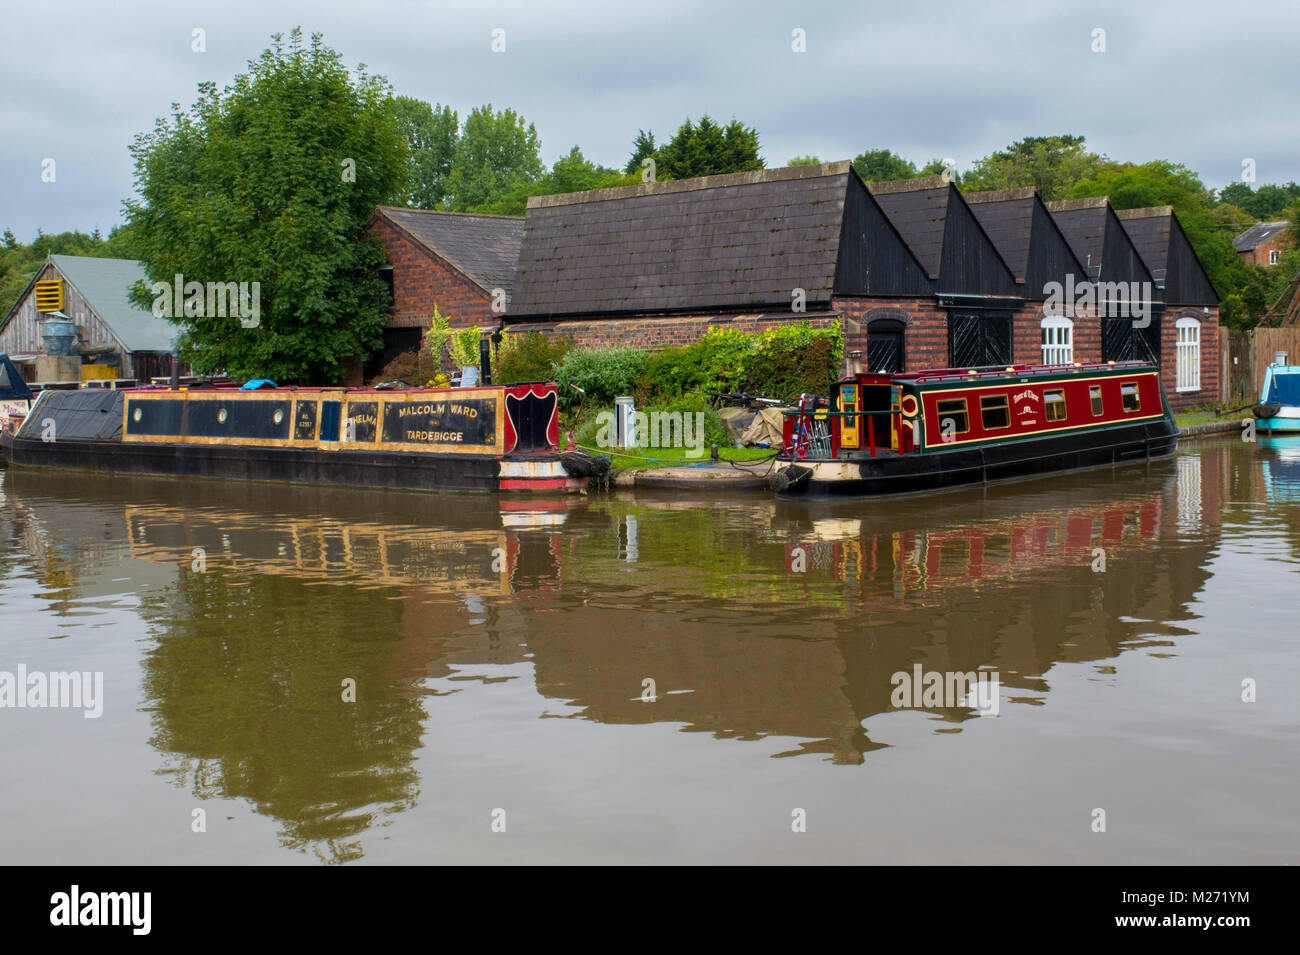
(925, 412)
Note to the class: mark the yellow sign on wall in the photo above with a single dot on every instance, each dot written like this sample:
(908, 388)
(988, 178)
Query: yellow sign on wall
(49, 295)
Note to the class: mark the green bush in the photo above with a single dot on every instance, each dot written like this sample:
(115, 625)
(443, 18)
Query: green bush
(782, 362)
(604, 373)
(794, 359)
(531, 357)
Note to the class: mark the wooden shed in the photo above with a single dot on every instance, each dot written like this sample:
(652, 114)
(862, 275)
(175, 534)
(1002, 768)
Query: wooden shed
(115, 337)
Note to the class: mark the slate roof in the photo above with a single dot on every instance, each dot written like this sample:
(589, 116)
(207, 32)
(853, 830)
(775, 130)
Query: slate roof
(1256, 234)
(1168, 253)
(1083, 223)
(1007, 215)
(483, 247)
(938, 225)
(744, 239)
(918, 208)
(104, 284)
(1031, 243)
(1150, 229)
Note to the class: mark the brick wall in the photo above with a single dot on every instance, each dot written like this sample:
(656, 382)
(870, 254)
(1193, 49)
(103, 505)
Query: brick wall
(926, 336)
(662, 331)
(1209, 390)
(422, 279)
(1260, 254)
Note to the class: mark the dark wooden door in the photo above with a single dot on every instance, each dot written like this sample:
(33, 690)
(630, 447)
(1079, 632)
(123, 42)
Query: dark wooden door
(976, 339)
(885, 348)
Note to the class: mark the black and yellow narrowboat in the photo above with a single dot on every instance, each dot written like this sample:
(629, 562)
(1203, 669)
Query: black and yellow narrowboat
(491, 438)
(893, 434)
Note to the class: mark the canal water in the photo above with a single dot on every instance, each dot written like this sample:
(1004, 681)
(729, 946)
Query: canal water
(304, 675)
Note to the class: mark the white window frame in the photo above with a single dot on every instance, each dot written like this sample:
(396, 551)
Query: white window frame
(1058, 349)
(1274, 256)
(1187, 351)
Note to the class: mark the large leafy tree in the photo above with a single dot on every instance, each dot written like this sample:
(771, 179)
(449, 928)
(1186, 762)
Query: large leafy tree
(496, 152)
(1051, 164)
(430, 133)
(570, 173)
(1269, 201)
(881, 165)
(271, 181)
(707, 149)
(642, 146)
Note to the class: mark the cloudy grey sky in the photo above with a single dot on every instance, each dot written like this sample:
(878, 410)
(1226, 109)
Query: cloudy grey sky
(1203, 83)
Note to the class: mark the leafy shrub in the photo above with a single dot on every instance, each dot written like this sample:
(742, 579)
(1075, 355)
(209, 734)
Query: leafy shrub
(793, 359)
(604, 373)
(531, 357)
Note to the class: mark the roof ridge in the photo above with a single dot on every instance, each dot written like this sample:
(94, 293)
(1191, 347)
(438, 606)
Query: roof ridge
(1070, 205)
(1145, 212)
(747, 178)
(446, 212)
(892, 186)
(1001, 195)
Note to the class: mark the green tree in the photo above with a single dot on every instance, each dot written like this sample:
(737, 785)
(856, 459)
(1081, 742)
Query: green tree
(805, 161)
(495, 153)
(571, 173)
(881, 165)
(272, 181)
(1268, 202)
(1051, 164)
(642, 146)
(430, 133)
(707, 149)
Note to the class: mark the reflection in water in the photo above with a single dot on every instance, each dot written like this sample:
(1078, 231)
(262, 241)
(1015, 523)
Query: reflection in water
(754, 618)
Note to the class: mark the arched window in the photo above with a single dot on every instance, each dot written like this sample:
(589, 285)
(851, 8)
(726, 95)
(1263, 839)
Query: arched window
(885, 346)
(1058, 340)
(1188, 377)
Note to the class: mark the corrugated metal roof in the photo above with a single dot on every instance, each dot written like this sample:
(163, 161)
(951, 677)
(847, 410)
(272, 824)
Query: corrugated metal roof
(1257, 234)
(485, 248)
(104, 284)
(738, 240)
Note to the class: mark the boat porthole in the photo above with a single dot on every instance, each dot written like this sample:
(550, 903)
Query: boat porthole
(137, 414)
(908, 405)
(221, 416)
(278, 416)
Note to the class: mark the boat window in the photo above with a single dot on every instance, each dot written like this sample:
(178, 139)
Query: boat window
(1054, 402)
(953, 410)
(1094, 392)
(995, 412)
(1129, 393)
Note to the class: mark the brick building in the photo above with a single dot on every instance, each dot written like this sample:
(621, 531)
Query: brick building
(919, 275)
(454, 261)
(1186, 310)
(1263, 244)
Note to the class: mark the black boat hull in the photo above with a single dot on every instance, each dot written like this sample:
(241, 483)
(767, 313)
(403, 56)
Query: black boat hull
(378, 469)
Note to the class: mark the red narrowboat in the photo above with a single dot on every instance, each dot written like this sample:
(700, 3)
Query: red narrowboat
(893, 434)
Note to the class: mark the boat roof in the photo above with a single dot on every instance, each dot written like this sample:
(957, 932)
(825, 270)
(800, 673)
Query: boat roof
(988, 375)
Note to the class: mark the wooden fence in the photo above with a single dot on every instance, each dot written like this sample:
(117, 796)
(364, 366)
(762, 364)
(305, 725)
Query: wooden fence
(1243, 357)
